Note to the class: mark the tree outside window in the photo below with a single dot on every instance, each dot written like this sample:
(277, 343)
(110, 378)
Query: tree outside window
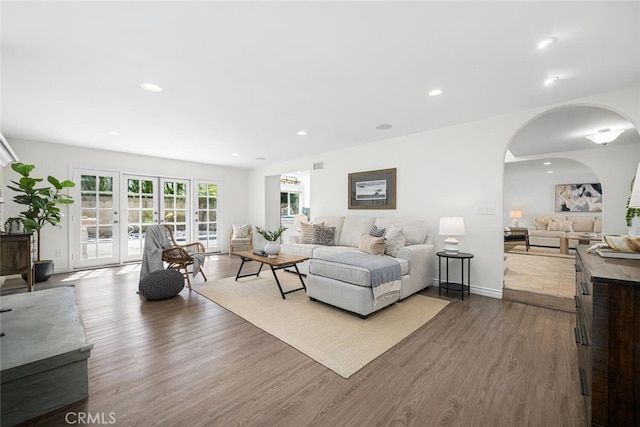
(289, 204)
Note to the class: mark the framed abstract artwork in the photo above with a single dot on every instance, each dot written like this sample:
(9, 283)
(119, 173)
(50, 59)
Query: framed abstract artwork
(373, 189)
(579, 197)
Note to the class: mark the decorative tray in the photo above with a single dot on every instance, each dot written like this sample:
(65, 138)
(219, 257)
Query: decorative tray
(610, 253)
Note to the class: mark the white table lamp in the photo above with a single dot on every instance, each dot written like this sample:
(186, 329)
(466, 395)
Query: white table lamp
(451, 226)
(515, 214)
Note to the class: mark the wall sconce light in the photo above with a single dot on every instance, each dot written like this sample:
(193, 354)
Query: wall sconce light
(451, 226)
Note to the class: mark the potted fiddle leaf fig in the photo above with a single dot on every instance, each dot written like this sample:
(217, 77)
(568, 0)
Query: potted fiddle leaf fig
(43, 205)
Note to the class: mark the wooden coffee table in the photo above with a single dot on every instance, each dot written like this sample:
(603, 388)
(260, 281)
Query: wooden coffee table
(277, 263)
(582, 240)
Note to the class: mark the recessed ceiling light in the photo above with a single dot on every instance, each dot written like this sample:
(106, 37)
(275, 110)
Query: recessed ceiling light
(151, 87)
(113, 132)
(546, 163)
(604, 136)
(260, 158)
(547, 42)
(235, 154)
(549, 171)
(384, 126)
(301, 133)
(436, 92)
(551, 80)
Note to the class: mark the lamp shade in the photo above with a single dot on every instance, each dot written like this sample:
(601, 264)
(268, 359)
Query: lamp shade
(634, 201)
(515, 214)
(451, 226)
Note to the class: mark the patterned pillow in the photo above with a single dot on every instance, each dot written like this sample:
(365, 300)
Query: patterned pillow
(241, 231)
(377, 232)
(306, 232)
(561, 226)
(371, 245)
(324, 235)
(541, 224)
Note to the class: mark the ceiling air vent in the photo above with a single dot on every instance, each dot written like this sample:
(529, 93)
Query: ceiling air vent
(318, 165)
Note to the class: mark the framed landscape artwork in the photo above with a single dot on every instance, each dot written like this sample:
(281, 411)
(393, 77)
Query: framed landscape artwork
(373, 189)
(579, 197)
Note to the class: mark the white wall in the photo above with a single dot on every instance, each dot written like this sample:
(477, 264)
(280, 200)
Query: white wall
(59, 161)
(454, 171)
(535, 195)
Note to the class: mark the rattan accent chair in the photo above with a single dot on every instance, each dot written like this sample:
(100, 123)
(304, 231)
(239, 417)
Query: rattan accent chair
(242, 243)
(180, 257)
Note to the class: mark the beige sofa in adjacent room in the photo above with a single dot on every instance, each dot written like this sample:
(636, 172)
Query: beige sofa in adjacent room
(547, 230)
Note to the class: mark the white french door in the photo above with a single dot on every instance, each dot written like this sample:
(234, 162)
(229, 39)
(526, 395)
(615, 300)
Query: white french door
(155, 200)
(206, 214)
(141, 201)
(175, 208)
(105, 235)
(97, 234)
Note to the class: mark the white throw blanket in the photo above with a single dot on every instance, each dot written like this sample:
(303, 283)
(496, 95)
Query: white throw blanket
(198, 261)
(155, 241)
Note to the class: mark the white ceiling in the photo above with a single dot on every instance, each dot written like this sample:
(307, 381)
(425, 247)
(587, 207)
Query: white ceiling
(244, 77)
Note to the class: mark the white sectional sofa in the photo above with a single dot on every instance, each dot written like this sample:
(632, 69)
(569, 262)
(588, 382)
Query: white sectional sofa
(346, 286)
(547, 230)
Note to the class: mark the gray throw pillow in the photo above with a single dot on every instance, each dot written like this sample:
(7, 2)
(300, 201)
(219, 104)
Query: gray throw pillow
(324, 235)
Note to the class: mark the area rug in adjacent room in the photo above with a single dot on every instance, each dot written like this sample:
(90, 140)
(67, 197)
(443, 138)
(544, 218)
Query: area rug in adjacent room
(540, 251)
(339, 340)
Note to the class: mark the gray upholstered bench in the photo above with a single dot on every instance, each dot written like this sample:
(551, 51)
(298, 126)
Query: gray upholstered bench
(345, 286)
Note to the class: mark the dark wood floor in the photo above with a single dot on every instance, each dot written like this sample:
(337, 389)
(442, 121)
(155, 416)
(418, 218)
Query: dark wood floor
(188, 362)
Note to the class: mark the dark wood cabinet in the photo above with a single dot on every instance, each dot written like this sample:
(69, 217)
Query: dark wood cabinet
(15, 256)
(608, 338)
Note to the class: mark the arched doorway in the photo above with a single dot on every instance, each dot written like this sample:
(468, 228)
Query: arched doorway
(552, 150)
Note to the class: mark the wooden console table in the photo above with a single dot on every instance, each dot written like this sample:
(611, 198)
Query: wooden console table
(15, 252)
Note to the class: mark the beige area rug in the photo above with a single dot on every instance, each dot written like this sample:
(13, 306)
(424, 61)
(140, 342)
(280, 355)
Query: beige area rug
(339, 340)
(554, 276)
(540, 251)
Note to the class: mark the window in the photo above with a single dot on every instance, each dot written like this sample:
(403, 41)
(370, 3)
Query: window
(289, 203)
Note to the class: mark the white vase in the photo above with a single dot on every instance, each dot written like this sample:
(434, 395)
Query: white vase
(634, 230)
(272, 249)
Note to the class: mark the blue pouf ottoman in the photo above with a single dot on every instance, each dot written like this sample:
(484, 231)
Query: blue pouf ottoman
(161, 284)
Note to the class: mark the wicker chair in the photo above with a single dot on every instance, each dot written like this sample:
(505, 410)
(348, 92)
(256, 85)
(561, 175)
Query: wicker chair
(180, 257)
(243, 243)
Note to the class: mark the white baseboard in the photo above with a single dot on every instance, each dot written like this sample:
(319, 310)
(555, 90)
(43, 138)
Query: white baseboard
(478, 290)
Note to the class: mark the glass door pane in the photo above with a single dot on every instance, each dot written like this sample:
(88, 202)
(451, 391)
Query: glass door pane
(141, 211)
(206, 212)
(96, 235)
(175, 208)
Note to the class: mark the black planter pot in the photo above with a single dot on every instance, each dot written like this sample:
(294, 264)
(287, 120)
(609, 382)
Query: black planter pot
(43, 270)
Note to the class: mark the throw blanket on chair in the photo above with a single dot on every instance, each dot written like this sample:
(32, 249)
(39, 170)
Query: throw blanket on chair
(198, 261)
(385, 272)
(154, 242)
